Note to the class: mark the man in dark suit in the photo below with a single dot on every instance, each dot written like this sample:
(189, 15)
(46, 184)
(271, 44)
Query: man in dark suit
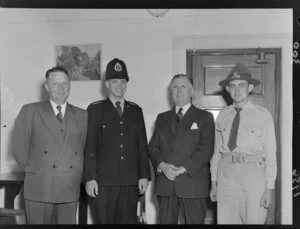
(116, 167)
(49, 139)
(180, 150)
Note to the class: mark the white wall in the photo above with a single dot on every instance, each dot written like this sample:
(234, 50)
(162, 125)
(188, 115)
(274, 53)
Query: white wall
(153, 50)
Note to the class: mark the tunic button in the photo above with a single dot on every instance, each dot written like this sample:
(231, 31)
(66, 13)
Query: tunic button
(103, 126)
(75, 153)
(45, 152)
(122, 158)
(121, 122)
(121, 134)
(71, 166)
(54, 166)
(121, 146)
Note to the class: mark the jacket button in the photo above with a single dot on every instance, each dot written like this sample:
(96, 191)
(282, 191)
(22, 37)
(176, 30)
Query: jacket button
(71, 166)
(54, 166)
(45, 152)
(122, 158)
(75, 153)
(121, 134)
(121, 146)
(121, 122)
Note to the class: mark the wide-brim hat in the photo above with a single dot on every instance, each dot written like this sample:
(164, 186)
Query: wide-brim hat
(239, 72)
(116, 69)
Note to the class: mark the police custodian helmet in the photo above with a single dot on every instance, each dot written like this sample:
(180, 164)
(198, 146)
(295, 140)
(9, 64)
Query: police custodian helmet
(116, 69)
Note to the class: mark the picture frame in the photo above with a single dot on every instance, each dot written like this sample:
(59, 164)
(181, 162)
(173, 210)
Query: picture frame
(83, 61)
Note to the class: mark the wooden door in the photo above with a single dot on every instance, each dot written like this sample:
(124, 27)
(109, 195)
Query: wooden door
(208, 67)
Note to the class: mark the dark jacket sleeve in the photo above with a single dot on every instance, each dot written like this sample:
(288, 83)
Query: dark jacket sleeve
(142, 147)
(89, 167)
(204, 150)
(154, 153)
(21, 136)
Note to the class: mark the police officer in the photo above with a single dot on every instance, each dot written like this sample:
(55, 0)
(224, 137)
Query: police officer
(243, 167)
(116, 165)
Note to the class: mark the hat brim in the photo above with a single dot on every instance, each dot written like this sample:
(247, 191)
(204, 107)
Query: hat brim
(224, 83)
(116, 76)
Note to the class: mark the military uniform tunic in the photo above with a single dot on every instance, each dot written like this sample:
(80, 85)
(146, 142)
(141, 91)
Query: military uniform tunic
(241, 185)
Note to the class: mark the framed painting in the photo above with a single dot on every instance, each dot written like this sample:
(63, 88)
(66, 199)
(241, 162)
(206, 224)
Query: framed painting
(81, 61)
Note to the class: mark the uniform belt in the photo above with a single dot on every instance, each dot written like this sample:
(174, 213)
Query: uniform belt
(240, 158)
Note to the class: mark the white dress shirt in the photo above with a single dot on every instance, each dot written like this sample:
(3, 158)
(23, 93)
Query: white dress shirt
(63, 108)
(184, 108)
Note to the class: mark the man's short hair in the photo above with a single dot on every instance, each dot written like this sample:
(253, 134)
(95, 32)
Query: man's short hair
(182, 75)
(56, 69)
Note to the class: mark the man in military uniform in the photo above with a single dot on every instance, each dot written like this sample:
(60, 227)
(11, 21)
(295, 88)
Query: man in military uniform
(116, 167)
(243, 167)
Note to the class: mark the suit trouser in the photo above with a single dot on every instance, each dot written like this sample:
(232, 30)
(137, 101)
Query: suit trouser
(192, 209)
(117, 205)
(240, 189)
(50, 213)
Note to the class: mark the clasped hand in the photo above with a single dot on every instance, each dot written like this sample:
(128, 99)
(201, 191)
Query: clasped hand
(171, 171)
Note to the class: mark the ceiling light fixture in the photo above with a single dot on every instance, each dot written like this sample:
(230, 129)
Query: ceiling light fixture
(157, 12)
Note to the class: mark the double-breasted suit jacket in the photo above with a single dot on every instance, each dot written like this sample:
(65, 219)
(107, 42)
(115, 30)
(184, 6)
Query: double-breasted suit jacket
(116, 149)
(49, 152)
(188, 144)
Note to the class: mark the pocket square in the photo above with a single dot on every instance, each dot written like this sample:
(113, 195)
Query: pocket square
(194, 126)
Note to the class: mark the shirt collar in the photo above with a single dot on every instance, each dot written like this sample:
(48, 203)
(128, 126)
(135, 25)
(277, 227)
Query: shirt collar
(247, 105)
(63, 107)
(122, 101)
(184, 108)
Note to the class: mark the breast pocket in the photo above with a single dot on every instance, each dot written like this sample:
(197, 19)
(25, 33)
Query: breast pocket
(192, 135)
(132, 128)
(249, 135)
(104, 131)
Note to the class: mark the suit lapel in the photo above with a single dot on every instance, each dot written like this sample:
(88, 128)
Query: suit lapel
(186, 120)
(172, 121)
(49, 118)
(70, 120)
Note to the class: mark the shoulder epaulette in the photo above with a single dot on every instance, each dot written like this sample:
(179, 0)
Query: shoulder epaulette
(133, 104)
(96, 103)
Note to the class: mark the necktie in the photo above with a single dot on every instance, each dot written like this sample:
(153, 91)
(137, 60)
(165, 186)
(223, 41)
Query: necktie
(119, 108)
(179, 114)
(59, 114)
(234, 129)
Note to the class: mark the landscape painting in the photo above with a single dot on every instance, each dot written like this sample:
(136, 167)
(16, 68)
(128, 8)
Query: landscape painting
(81, 61)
